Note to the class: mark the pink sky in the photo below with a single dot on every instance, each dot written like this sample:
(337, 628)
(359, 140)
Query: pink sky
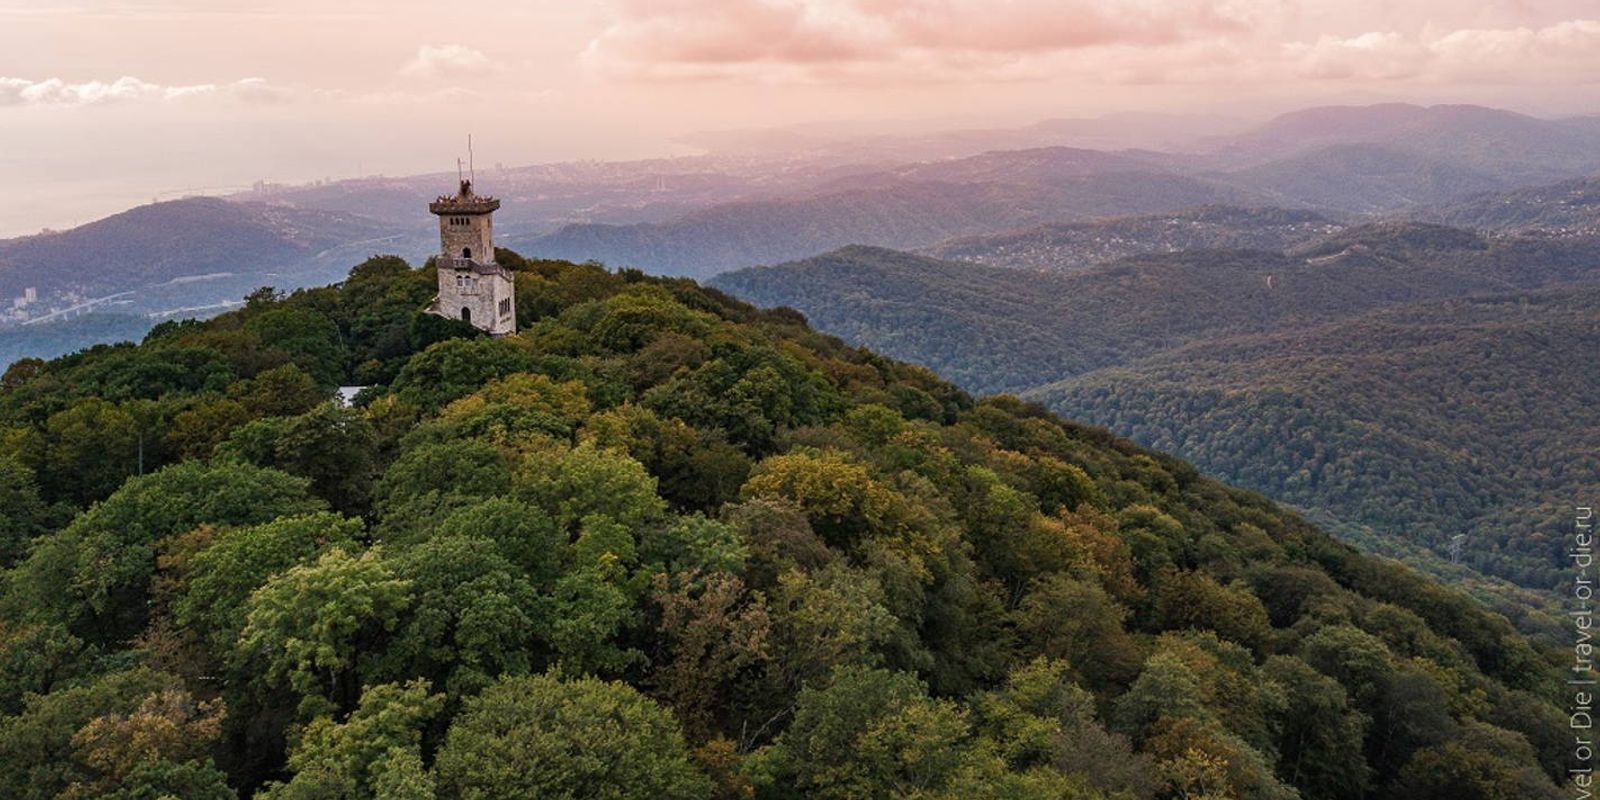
(107, 104)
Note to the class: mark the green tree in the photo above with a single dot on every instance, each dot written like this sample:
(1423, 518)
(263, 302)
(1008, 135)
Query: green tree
(573, 483)
(541, 737)
(220, 578)
(439, 477)
(92, 447)
(374, 754)
(1320, 737)
(37, 754)
(524, 533)
(335, 447)
(310, 628)
(869, 733)
(309, 337)
(95, 573)
(1075, 620)
(26, 514)
(458, 367)
(472, 617)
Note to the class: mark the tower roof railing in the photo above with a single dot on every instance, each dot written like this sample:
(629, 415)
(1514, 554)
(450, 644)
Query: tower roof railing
(464, 202)
(464, 205)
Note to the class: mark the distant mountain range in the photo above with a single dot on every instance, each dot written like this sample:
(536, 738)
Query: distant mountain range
(1341, 161)
(1043, 201)
(1511, 147)
(886, 210)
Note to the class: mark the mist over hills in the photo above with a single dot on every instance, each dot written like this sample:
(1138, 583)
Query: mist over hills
(700, 215)
(1343, 161)
(890, 212)
(1363, 179)
(1510, 146)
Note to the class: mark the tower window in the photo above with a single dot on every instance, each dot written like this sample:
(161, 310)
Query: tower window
(466, 252)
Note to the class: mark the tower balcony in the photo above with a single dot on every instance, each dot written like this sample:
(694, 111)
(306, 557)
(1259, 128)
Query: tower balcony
(475, 266)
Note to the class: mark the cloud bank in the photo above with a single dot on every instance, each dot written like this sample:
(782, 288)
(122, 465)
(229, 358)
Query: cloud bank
(1106, 41)
(1568, 51)
(57, 92)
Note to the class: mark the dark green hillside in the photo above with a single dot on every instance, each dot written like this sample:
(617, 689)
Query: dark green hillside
(1470, 417)
(996, 329)
(664, 544)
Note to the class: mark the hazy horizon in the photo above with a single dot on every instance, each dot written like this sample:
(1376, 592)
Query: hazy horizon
(105, 105)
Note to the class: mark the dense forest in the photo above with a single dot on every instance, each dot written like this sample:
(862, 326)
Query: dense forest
(1441, 419)
(664, 544)
(1403, 383)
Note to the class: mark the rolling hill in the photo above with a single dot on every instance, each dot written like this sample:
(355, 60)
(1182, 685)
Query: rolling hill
(1364, 179)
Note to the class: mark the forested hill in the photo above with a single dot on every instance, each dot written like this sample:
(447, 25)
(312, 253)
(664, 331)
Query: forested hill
(667, 544)
(1462, 417)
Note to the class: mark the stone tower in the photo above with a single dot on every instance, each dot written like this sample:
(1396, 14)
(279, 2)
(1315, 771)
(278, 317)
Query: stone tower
(472, 287)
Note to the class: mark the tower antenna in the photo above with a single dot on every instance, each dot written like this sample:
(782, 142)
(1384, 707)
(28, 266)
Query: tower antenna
(472, 173)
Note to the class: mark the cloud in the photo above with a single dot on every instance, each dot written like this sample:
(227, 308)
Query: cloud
(830, 39)
(447, 61)
(57, 92)
(1563, 51)
(1371, 56)
(1567, 50)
